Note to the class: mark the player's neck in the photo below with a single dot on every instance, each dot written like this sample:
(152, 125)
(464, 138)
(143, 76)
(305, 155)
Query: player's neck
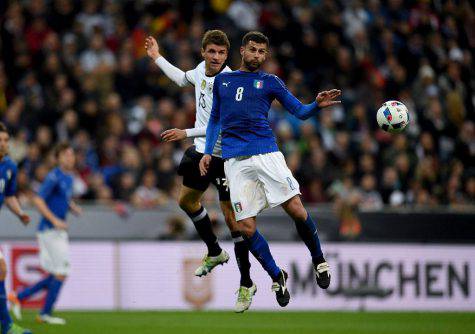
(243, 68)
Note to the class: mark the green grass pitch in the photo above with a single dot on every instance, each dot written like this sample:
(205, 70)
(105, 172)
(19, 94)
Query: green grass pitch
(256, 323)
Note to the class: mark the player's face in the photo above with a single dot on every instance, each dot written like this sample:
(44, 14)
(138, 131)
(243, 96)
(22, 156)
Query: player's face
(67, 159)
(214, 56)
(4, 138)
(253, 55)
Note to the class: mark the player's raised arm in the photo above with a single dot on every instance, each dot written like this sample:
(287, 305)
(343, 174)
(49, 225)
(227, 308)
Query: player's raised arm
(304, 111)
(178, 76)
(213, 129)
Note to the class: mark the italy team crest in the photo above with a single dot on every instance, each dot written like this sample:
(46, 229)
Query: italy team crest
(259, 84)
(237, 207)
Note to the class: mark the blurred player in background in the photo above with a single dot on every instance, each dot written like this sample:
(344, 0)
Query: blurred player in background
(53, 201)
(8, 173)
(256, 171)
(215, 48)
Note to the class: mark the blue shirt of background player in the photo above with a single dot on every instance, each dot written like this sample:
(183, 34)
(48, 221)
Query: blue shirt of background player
(241, 103)
(8, 172)
(57, 191)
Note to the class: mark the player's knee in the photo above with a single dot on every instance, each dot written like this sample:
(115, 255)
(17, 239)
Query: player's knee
(247, 228)
(296, 209)
(188, 205)
(61, 277)
(3, 270)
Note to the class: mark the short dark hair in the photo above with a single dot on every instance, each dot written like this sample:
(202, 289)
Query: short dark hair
(255, 36)
(217, 37)
(60, 148)
(3, 128)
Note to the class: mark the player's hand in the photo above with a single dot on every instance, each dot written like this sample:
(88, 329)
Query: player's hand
(204, 164)
(60, 224)
(78, 211)
(327, 98)
(24, 218)
(153, 50)
(173, 135)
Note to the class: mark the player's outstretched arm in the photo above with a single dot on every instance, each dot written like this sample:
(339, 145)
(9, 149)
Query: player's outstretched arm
(295, 107)
(172, 72)
(13, 204)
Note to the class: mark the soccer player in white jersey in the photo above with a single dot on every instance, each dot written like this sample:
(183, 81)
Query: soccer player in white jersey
(255, 168)
(215, 47)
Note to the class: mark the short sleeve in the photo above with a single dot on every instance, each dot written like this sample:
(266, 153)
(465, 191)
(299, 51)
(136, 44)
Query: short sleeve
(10, 188)
(48, 185)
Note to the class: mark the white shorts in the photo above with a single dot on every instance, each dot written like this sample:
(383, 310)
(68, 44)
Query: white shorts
(259, 182)
(54, 251)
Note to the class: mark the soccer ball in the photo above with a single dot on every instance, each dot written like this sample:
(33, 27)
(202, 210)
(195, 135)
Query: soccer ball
(393, 116)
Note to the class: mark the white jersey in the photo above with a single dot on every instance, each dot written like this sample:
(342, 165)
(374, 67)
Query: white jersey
(204, 101)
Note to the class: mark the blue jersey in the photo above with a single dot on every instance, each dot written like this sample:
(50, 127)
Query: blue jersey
(8, 171)
(241, 103)
(56, 190)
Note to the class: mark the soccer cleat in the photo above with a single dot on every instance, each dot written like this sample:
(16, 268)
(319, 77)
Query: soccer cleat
(280, 288)
(244, 299)
(209, 262)
(15, 305)
(47, 319)
(322, 274)
(15, 329)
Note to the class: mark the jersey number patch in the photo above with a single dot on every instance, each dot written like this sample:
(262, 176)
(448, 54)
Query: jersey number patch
(202, 101)
(239, 92)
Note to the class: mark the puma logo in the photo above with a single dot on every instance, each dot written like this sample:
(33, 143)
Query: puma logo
(226, 83)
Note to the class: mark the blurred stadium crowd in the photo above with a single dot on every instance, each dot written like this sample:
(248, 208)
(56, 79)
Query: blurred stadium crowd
(77, 71)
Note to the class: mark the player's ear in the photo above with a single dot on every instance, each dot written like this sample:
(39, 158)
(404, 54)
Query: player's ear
(241, 50)
(202, 53)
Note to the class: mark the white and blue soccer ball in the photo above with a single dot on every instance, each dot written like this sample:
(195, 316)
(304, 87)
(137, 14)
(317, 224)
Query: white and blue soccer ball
(393, 116)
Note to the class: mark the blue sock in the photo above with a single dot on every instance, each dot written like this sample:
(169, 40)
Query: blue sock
(31, 290)
(5, 319)
(53, 291)
(308, 232)
(260, 249)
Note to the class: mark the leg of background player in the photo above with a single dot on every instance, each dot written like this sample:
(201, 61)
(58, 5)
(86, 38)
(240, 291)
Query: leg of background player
(54, 287)
(189, 202)
(241, 248)
(5, 319)
(31, 290)
(6, 323)
(308, 232)
(247, 288)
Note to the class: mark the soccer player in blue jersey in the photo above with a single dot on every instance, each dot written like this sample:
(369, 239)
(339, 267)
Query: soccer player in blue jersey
(256, 171)
(53, 201)
(8, 172)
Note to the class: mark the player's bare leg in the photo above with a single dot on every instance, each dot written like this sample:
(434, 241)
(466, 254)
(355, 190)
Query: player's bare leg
(7, 325)
(247, 288)
(190, 202)
(307, 230)
(260, 249)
